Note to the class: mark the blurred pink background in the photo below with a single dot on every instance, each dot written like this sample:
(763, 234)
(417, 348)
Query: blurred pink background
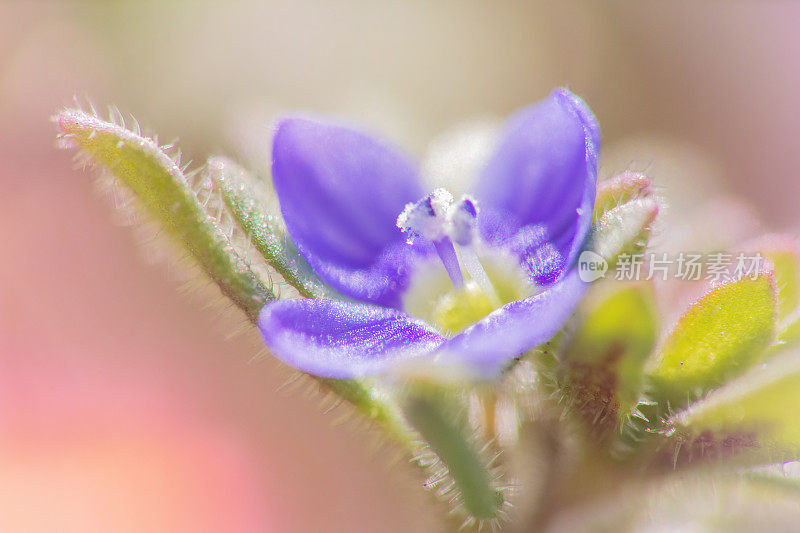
(122, 405)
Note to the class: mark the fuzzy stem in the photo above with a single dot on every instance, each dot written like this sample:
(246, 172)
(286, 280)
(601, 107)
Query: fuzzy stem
(449, 441)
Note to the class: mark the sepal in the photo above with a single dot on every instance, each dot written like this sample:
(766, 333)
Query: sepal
(602, 368)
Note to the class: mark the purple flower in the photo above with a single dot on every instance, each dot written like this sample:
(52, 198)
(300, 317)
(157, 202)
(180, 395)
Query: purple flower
(438, 284)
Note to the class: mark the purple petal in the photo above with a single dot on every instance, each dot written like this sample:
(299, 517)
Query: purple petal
(381, 283)
(538, 257)
(340, 193)
(337, 339)
(514, 328)
(544, 173)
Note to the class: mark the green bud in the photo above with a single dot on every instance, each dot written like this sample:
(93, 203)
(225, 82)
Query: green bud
(624, 229)
(619, 190)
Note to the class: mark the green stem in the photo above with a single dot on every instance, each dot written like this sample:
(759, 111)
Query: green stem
(446, 436)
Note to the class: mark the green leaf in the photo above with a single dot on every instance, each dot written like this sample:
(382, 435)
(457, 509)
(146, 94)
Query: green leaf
(719, 337)
(758, 410)
(164, 193)
(781, 251)
(603, 365)
(624, 229)
(244, 199)
(619, 190)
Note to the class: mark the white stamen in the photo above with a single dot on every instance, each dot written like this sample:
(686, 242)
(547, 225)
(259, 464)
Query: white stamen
(428, 217)
(462, 219)
(441, 200)
(441, 221)
(474, 268)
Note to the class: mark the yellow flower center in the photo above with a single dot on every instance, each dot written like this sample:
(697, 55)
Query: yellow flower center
(458, 309)
(433, 298)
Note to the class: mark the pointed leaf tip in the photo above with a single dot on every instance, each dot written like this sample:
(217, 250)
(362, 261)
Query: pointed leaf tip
(162, 190)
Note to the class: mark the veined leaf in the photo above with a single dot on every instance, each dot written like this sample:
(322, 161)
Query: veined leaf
(719, 337)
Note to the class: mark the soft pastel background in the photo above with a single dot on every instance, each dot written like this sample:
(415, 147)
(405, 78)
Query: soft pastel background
(122, 405)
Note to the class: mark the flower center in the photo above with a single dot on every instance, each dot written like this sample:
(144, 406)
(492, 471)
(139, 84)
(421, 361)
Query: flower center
(433, 298)
(457, 309)
(472, 291)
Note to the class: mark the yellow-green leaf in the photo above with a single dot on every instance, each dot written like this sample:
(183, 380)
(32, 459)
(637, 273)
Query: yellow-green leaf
(719, 337)
(163, 191)
(781, 250)
(788, 332)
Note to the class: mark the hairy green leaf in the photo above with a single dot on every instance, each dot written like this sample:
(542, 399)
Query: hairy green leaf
(164, 193)
(782, 253)
(442, 425)
(720, 336)
(161, 187)
(242, 196)
(788, 332)
(757, 413)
